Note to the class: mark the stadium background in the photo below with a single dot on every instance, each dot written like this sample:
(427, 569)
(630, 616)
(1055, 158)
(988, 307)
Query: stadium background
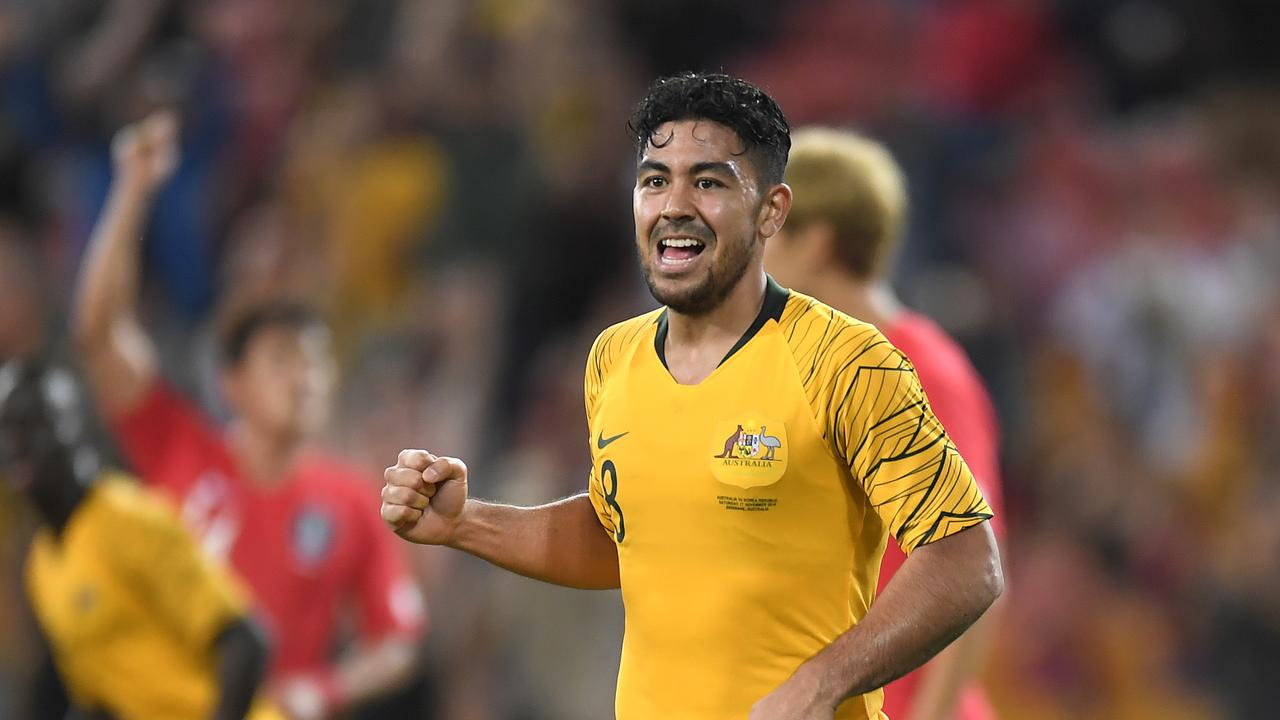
(1096, 216)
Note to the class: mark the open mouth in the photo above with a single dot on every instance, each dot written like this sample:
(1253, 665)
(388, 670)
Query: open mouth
(679, 250)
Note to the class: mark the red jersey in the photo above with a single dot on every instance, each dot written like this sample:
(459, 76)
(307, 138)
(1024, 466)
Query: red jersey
(959, 400)
(308, 548)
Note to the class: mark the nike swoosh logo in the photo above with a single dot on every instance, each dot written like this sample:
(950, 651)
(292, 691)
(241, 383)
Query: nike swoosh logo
(602, 441)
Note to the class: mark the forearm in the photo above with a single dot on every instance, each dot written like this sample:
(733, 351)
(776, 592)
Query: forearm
(941, 590)
(373, 670)
(561, 542)
(241, 665)
(108, 288)
(943, 677)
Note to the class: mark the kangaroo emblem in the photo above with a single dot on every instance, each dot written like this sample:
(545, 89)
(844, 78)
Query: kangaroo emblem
(769, 441)
(730, 443)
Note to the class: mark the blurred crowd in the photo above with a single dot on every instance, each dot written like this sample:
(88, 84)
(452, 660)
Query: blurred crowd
(1095, 214)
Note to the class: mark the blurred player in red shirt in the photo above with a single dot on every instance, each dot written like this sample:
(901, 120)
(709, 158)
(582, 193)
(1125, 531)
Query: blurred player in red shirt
(846, 217)
(299, 527)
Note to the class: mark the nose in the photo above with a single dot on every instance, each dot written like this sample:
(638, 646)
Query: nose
(679, 205)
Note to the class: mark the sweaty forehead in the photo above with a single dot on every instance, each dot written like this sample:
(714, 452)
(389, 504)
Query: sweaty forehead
(703, 137)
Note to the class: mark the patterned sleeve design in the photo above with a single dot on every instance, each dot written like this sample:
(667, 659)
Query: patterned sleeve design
(875, 417)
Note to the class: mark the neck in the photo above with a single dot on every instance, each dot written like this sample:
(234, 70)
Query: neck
(265, 458)
(729, 319)
(697, 343)
(870, 301)
(57, 495)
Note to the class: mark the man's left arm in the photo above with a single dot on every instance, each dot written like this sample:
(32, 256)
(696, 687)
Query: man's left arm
(391, 619)
(879, 421)
(942, 588)
(241, 651)
(961, 403)
(367, 670)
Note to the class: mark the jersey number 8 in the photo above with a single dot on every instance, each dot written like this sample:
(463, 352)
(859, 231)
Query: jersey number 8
(609, 479)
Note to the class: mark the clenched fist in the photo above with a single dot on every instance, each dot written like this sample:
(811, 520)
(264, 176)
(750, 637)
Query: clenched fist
(146, 153)
(423, 496)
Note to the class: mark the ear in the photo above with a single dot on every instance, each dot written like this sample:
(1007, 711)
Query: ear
(774, 210)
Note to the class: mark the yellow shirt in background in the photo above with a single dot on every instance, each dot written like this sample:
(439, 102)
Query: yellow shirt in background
(751, 511)
(131, 607)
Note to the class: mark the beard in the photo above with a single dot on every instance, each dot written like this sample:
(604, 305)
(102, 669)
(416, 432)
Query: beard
(708, 292)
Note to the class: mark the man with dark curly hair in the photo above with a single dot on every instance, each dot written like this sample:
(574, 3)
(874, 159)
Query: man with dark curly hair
(752, 449)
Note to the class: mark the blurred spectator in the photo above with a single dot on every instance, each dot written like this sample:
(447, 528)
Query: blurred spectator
(297, 525)
(369, 222)
(122, 591)
(22, 337)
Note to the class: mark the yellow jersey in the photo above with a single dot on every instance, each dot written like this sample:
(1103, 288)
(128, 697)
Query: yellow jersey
(131, 607)
(751, 510)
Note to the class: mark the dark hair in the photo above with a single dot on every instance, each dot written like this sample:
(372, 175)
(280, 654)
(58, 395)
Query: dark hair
(21, 387)
(241, 326)
(39, 400)
(734, 103)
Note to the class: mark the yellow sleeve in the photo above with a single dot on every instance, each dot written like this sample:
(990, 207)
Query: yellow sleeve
(879, 421)
(191, 594)
(598, 363)
(596, 491)
(608, 347)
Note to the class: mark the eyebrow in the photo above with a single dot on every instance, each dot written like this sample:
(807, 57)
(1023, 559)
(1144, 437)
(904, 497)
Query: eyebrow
(654, 165)
(717, 166)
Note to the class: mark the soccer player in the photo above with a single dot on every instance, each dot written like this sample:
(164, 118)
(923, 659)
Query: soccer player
(846, 219)
(141, 623)
(295, 524)
(751, 450)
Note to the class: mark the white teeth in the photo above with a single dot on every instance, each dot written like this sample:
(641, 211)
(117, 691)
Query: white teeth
(681, 242)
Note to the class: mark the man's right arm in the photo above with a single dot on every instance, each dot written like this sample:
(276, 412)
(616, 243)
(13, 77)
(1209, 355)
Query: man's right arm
(119, 357)
(425, 501)
(561, 542)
